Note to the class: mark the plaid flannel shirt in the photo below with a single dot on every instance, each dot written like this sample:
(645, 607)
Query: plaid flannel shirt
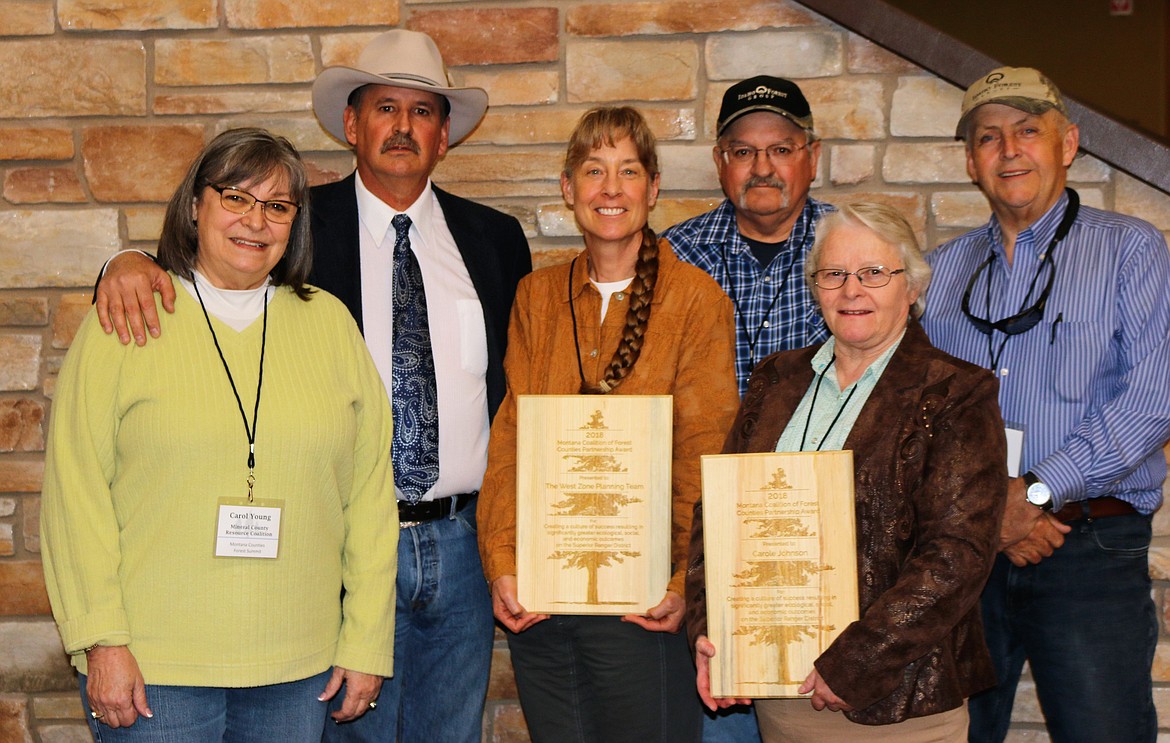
(774, 308)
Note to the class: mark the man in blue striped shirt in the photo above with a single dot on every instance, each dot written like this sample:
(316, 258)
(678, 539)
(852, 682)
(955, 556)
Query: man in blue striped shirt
(755, 242)
(1068, 305)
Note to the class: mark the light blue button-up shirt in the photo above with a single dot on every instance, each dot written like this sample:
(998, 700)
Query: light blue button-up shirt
(829, 424)
(1090, 384)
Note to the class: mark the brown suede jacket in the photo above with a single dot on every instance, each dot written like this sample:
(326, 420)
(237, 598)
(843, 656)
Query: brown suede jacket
(688, 352)
(931, 483)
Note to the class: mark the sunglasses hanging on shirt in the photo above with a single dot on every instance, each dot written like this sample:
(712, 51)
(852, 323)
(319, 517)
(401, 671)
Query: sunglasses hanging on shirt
(1026, 318)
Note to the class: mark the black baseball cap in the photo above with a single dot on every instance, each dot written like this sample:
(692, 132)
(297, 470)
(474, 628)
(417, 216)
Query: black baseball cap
(765, 93)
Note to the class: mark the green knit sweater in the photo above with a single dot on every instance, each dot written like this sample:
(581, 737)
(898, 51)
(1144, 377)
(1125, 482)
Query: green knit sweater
(145, 441)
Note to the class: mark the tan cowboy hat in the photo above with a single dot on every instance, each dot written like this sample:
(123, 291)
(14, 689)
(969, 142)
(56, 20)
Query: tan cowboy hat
(404, 59)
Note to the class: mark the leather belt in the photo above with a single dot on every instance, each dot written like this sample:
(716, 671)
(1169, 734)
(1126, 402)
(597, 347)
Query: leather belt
(1094, 508)
(428, 510)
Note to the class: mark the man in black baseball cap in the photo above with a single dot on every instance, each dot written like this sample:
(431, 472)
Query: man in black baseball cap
(765, 93)
(754, 244)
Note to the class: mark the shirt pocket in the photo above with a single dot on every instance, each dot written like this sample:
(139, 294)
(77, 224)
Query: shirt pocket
(473, 355)
(1078, 348)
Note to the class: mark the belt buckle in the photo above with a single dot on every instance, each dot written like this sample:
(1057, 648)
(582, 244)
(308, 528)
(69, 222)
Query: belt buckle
(408, 524)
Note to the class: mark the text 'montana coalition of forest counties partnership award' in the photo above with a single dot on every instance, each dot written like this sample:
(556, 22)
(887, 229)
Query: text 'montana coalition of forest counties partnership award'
(779, 540)
(593, 502)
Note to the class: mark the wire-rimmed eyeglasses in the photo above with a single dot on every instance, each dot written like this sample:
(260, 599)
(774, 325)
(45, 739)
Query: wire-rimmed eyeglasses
(239, 201)
(745, 154)
(871, 277)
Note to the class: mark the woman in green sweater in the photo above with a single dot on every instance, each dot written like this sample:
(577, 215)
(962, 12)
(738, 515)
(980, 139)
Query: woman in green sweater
(207, 498)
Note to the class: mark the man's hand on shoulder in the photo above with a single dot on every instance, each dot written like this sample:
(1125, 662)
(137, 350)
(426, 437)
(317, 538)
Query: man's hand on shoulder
(125, 296)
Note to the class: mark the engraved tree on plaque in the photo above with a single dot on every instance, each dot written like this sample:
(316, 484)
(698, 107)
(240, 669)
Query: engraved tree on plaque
(590, 504)
(771, 528)
(799, 574)
(596, 421)
(778, 532)
(593, 502)
(592, 561)
(606, 463)
(778, 573)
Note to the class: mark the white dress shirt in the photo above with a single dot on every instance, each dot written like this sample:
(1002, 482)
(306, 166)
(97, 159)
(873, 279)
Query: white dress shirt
(458, 334)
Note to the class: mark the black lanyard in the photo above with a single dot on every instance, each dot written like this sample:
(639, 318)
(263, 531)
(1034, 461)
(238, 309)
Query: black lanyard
(249, 430)
(740, 315)
(813, 406)
(573, 314)
(1027, 317)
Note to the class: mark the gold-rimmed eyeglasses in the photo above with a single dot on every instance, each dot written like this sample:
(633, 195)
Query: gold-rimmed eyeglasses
(871, 277)
(745, 154)
(239, 201)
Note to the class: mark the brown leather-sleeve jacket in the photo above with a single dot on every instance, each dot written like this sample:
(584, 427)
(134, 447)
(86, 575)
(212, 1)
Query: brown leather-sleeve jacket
(930, 479)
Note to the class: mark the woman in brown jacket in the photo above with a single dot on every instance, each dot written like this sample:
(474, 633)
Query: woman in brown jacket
(930, 483)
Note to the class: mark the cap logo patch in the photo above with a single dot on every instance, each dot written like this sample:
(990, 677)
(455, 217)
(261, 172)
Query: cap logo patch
(762, 91)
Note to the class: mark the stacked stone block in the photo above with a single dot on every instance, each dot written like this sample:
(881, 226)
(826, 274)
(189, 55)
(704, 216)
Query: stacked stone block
(104, 102)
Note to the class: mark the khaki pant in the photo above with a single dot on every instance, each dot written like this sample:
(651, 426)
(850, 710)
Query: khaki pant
(795, 721)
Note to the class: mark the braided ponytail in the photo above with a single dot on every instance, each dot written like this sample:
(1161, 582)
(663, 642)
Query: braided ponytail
(637, 316)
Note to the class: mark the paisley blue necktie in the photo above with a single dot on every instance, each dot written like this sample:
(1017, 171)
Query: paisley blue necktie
(413, 392)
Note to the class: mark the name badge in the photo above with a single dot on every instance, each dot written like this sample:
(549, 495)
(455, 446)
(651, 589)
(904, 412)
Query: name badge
(1015, 449)
(246, 529)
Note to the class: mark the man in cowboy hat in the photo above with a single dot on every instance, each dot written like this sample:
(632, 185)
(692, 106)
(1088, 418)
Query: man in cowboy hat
(399, 112)
(1068, 306)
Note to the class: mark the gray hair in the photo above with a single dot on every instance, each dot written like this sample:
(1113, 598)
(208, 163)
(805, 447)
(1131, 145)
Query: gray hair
(892, 228)
(967, 125)
(810, 134)
(237, 156)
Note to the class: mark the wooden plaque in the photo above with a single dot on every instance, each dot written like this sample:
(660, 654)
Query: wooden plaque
(781, 556)
(593, 502)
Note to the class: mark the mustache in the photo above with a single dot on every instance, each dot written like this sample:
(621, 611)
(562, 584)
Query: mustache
(401, 139)
(761, 181)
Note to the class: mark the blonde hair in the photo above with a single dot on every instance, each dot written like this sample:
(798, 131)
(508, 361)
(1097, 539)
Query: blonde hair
(603, 127)
(606, 125)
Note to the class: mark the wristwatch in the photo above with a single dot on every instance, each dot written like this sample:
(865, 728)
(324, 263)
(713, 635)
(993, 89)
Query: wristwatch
(1037, 493)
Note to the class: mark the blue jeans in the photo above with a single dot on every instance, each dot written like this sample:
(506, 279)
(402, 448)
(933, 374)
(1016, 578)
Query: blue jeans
(733, 725)
(289, 713)
(585, 679)
(443, 630)
(1085, 622)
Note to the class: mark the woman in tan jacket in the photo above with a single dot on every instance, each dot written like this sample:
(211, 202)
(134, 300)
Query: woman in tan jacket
(624, 317)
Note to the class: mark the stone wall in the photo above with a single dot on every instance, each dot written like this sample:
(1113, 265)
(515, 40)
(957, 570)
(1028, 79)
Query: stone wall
(104, 103)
